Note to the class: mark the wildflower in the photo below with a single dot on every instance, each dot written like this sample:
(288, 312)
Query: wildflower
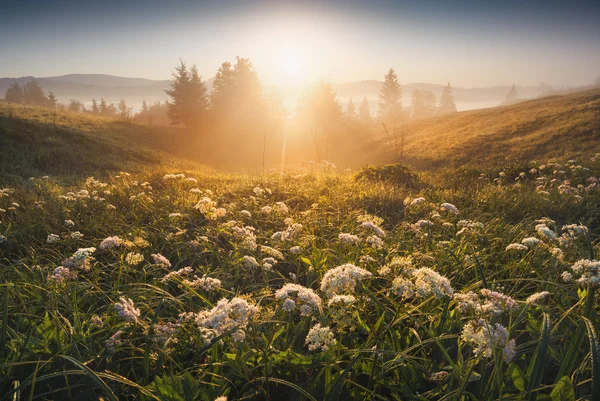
(369, 225)
(60, 274)
(419, 225)
(587, 271)
(366, 259)
(246, 213)
(417, 201)
(221, 398)
(226, 317)
(250, 262)
(126, 310)
(349, 238)
(557, 253)
(403, 287)
(266, 209)
(134, 258)
(530, 241)
(96, 322)
(246, 235)
(271, 252)
(490, 303)
(320, 338)
(110, 242)
(543, 229)
(175, 215)
(281, 208)
(295, 250)
(487, 339)
(537, 298)
(448, 207)
(52, 239)
(161, 260)
(516, 247)
(302, 297)
(162, 332)
(76, 235)
(176, 274)
(69, 223)
(80, 259)
(428, 282)
(375, 242)
(342, 278)
(114, 341)
(208, 284)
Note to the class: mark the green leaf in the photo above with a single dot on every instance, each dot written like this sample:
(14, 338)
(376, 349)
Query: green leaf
(517, 376)
(563, 391)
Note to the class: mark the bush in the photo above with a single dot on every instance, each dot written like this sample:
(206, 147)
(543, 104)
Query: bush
(395, 174)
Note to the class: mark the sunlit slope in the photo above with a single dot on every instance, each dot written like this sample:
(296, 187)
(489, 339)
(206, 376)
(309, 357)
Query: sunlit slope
(541, 129)
(37, 141)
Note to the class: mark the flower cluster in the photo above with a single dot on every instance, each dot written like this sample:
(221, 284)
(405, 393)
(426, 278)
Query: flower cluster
(126, 310)
(585, 272)
(488, 339)
(320, 337)
(342, 279)
(227, 317)
(296, 296)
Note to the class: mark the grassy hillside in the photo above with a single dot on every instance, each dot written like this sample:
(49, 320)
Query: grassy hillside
(542, 129)
(37, 141)
(172, 282)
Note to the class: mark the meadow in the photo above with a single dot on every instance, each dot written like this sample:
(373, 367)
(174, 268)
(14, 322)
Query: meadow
(130, 273)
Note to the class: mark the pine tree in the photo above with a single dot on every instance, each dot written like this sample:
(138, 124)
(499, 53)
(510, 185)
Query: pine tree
(95, 108)
(351, 110)
(51, 102)
(103, 108)
(222, 95)
(33, 93)
(447, 105)
(188, 94)
(512, 95)
(364, 112)
(14, 94)
(390, 99)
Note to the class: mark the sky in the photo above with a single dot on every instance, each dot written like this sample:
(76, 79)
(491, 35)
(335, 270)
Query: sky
(469, 43)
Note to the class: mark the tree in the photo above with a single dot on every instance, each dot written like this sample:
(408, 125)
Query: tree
(512, 95)
(33, 93)
(390, 99)
(188, 92)
(222, 95)
(124, 110)
(95, 108)
(423, 104)
(447, 105)
(351, 110)
(364, 112)
(103, 108)
(75, 106)
(14, 94)
(51, 100)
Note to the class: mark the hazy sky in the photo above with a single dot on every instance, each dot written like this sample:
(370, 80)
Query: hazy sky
(470, 43)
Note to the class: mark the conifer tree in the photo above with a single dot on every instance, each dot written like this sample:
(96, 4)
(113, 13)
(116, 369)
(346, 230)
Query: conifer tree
(447, 104)
(364, 112)
(124, 111)
(103, 108)
(95, 108)
(423, 104)
(390, 99)
(51, 100)
(188, 94)
(351, 110)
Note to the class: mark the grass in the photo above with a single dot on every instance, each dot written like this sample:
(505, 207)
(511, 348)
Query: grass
(397, 309)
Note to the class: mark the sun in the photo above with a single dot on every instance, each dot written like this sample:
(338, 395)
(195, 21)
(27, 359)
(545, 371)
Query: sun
(292, 65)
